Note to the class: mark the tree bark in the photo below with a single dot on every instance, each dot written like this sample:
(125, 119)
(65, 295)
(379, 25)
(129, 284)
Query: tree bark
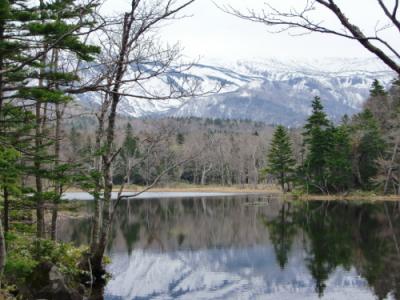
(40, 224)
(58, 185)
(6, 197)
(204, 174)
(97, 256)
(3, 252)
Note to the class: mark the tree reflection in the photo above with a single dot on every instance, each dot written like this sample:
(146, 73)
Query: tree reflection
(282, 231)
(348, 235)
(330, 240)
(358, 236)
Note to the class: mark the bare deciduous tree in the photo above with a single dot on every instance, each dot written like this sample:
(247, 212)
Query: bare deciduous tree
(131, 59)
(304, 19)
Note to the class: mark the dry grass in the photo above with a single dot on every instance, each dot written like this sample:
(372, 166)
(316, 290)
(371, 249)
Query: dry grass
(208, 188)
(200, 188)
(259, 189)
(367, 198)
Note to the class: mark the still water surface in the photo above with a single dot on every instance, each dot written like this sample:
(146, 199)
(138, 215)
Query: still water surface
(249, 247)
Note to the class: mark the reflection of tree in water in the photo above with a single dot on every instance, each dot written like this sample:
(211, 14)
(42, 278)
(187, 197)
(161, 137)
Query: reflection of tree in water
(282, 231)
(336, 234)
(345, 235)
(379, 262)
(330, 240)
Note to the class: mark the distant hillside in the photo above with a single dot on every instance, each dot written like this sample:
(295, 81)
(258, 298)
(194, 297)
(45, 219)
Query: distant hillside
(271, 91)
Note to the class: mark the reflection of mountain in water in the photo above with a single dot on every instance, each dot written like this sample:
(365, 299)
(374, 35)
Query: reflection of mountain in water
(238, 249)
(223, 274)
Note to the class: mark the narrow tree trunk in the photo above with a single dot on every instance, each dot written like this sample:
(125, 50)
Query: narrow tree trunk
(58, 185)
(2, 250)
(204, 174)
(1, 67)
(97, 256)
(282, 180)
(398, 188)
(6, 209)
(40, 224)
(96, 218)
(40, 232)
(98, 182)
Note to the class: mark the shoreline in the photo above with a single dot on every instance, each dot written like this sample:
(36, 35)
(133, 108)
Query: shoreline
(261, 189)
(364, 198)
(250, 189)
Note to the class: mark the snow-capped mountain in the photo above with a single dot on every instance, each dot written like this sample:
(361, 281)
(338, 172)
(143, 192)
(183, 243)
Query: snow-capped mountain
(233, 273)
(269, 90)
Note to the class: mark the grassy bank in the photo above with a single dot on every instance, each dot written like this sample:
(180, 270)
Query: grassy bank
(182, 187)
(259, 189)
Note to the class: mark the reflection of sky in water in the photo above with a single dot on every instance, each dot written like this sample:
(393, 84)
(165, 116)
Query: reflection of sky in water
(229, 248)
(250, 273)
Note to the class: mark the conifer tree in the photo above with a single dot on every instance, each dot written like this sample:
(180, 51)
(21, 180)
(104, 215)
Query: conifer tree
(318, 141)
(129, 152)
(180, 138)
(280, 157)
(339, 160)
(377, 89)
(369, 146)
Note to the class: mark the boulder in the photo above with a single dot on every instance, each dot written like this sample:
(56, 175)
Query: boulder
(48, 283)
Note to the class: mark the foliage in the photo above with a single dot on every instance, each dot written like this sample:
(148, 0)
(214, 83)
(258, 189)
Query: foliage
(368, 146)
(26, 252)
(318, 141)
(280, 157)
(339, 171)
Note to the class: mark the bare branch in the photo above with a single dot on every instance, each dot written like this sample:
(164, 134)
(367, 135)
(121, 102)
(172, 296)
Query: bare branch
(301, 19)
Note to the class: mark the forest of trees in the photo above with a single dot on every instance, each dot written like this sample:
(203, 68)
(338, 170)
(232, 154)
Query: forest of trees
(51, 51)
(222, 152)
(360, 153)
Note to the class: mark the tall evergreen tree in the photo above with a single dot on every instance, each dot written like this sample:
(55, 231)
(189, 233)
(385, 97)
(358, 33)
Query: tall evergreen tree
(318, 142)
(368, 146)
(280, 157)
(339, 160)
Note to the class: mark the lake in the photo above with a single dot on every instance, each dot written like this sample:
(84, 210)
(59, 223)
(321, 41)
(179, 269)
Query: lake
(248, 247)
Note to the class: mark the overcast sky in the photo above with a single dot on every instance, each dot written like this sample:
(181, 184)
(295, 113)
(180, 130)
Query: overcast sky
(211, 33)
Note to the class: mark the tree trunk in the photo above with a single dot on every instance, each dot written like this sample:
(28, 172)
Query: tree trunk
(398, 189)
(98, 182)
(282, 180)
(204, 174)
(2, 23)
(98, 254)
(6, 209)
(2, 250)
(58, 185)
(40, 224)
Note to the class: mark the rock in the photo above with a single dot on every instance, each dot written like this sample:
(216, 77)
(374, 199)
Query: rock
(58, 291)
(48, 283)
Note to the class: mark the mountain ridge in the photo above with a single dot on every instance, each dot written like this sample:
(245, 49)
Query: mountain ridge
(272, 91)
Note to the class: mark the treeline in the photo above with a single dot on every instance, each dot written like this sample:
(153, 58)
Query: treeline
(222, 152)
(360, 153)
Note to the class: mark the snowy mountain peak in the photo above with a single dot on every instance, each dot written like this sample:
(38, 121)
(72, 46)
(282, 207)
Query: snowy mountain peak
(269, 90)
